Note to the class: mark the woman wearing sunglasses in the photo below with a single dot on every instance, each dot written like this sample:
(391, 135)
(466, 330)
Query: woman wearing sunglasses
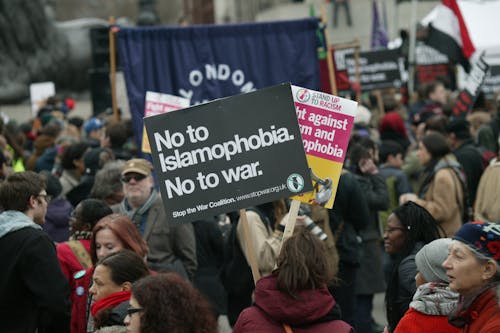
(167, 303)
(112, 281)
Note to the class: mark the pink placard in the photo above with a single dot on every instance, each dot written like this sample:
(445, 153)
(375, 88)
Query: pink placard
(325, 133)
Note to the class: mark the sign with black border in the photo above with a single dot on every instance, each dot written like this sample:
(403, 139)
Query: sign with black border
(228, 154)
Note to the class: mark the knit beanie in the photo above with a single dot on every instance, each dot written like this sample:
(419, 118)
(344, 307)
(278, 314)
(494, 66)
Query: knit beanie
(429, 260)
(483, 237)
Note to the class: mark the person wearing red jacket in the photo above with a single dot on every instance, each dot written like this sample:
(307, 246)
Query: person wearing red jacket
(433, 300)
(473, 269)
(111, 234)
(111, 289)
(294, 298)
(74, 255)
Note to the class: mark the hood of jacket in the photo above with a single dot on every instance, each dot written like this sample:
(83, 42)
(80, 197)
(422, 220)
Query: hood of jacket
(12, 220)
(311, 306)
(58, 213)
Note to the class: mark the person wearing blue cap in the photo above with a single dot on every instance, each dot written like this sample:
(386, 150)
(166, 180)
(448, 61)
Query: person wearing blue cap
(94, 129)
(473, 270)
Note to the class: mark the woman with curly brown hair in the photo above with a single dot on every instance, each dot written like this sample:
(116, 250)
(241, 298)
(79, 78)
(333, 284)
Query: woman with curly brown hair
(167, 303)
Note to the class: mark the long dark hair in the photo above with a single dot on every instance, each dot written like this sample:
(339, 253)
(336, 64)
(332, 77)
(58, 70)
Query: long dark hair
(419, 227)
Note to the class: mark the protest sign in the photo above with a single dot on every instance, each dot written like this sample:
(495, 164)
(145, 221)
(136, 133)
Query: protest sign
(491, 83)
(325, 123)
(467, 97)
(378, 69)
(40, 91)
(341, 75)
(156, 104)
(228, 154)
(430, 64)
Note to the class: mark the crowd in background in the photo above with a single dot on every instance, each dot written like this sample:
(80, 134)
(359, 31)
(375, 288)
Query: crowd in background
(107, 260)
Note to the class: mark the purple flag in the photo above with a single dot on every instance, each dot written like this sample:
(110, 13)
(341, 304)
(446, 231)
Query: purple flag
(379, 31)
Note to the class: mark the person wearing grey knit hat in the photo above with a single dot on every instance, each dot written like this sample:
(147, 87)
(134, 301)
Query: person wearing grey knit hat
(429, 261)
(433, 301)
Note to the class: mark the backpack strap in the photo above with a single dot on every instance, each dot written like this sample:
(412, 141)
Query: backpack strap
(80, 253)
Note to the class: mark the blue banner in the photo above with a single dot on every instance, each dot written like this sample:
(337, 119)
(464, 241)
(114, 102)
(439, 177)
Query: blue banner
(205, 62)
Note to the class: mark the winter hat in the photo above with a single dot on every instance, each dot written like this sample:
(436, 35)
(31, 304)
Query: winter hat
(483, 237)
(54, 187)
(363, 115)
(429, 260)
(392, 121)
(459, 127)
(93, 124)
(91, 161)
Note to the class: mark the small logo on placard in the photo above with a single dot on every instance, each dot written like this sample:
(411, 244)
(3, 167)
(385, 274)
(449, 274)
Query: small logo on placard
(295, 182)
(303, 95)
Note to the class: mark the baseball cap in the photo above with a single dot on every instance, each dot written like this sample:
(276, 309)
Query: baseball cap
(138, 165)
(93, 124)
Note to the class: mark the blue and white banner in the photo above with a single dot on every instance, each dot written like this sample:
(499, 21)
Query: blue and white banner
(205, 62)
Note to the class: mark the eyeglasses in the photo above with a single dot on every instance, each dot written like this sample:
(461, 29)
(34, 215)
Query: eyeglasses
(46, 197)
(390, 230)
(135, 176)
(131, 310)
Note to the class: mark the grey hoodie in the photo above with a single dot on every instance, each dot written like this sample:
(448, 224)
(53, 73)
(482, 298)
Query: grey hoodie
(13, 220)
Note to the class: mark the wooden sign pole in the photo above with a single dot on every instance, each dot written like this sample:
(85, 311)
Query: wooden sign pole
(112, 68)
(329, 60)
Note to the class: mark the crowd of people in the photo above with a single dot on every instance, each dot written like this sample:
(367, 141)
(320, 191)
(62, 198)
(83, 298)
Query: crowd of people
(86, 245)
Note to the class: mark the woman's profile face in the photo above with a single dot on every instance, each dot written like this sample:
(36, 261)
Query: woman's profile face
(103, 285)
(424, 157)
(394, 235)
(106, 242)
(133, 318)
(465, 272)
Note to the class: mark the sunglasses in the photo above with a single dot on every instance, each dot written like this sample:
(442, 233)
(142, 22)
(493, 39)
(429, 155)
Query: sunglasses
(131, 310)
(136, 176)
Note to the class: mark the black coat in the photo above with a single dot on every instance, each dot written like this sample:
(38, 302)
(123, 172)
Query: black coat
(472, 162)
(34, 294)
(348, 216)
(210, 256)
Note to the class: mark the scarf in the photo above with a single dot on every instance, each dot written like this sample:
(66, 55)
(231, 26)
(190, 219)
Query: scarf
(461, 316)
(137, 216)
(81, 235)
(13, 220)
(110, 301)
(434, 299)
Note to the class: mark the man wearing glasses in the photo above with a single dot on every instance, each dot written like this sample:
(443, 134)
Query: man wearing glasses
(34, 292)
(171, 246)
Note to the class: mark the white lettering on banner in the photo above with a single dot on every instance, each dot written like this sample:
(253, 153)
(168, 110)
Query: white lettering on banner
(216, 72)
(180, 187)
(245, 171)
(476, 77)
(181, 159)
(323, 148)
